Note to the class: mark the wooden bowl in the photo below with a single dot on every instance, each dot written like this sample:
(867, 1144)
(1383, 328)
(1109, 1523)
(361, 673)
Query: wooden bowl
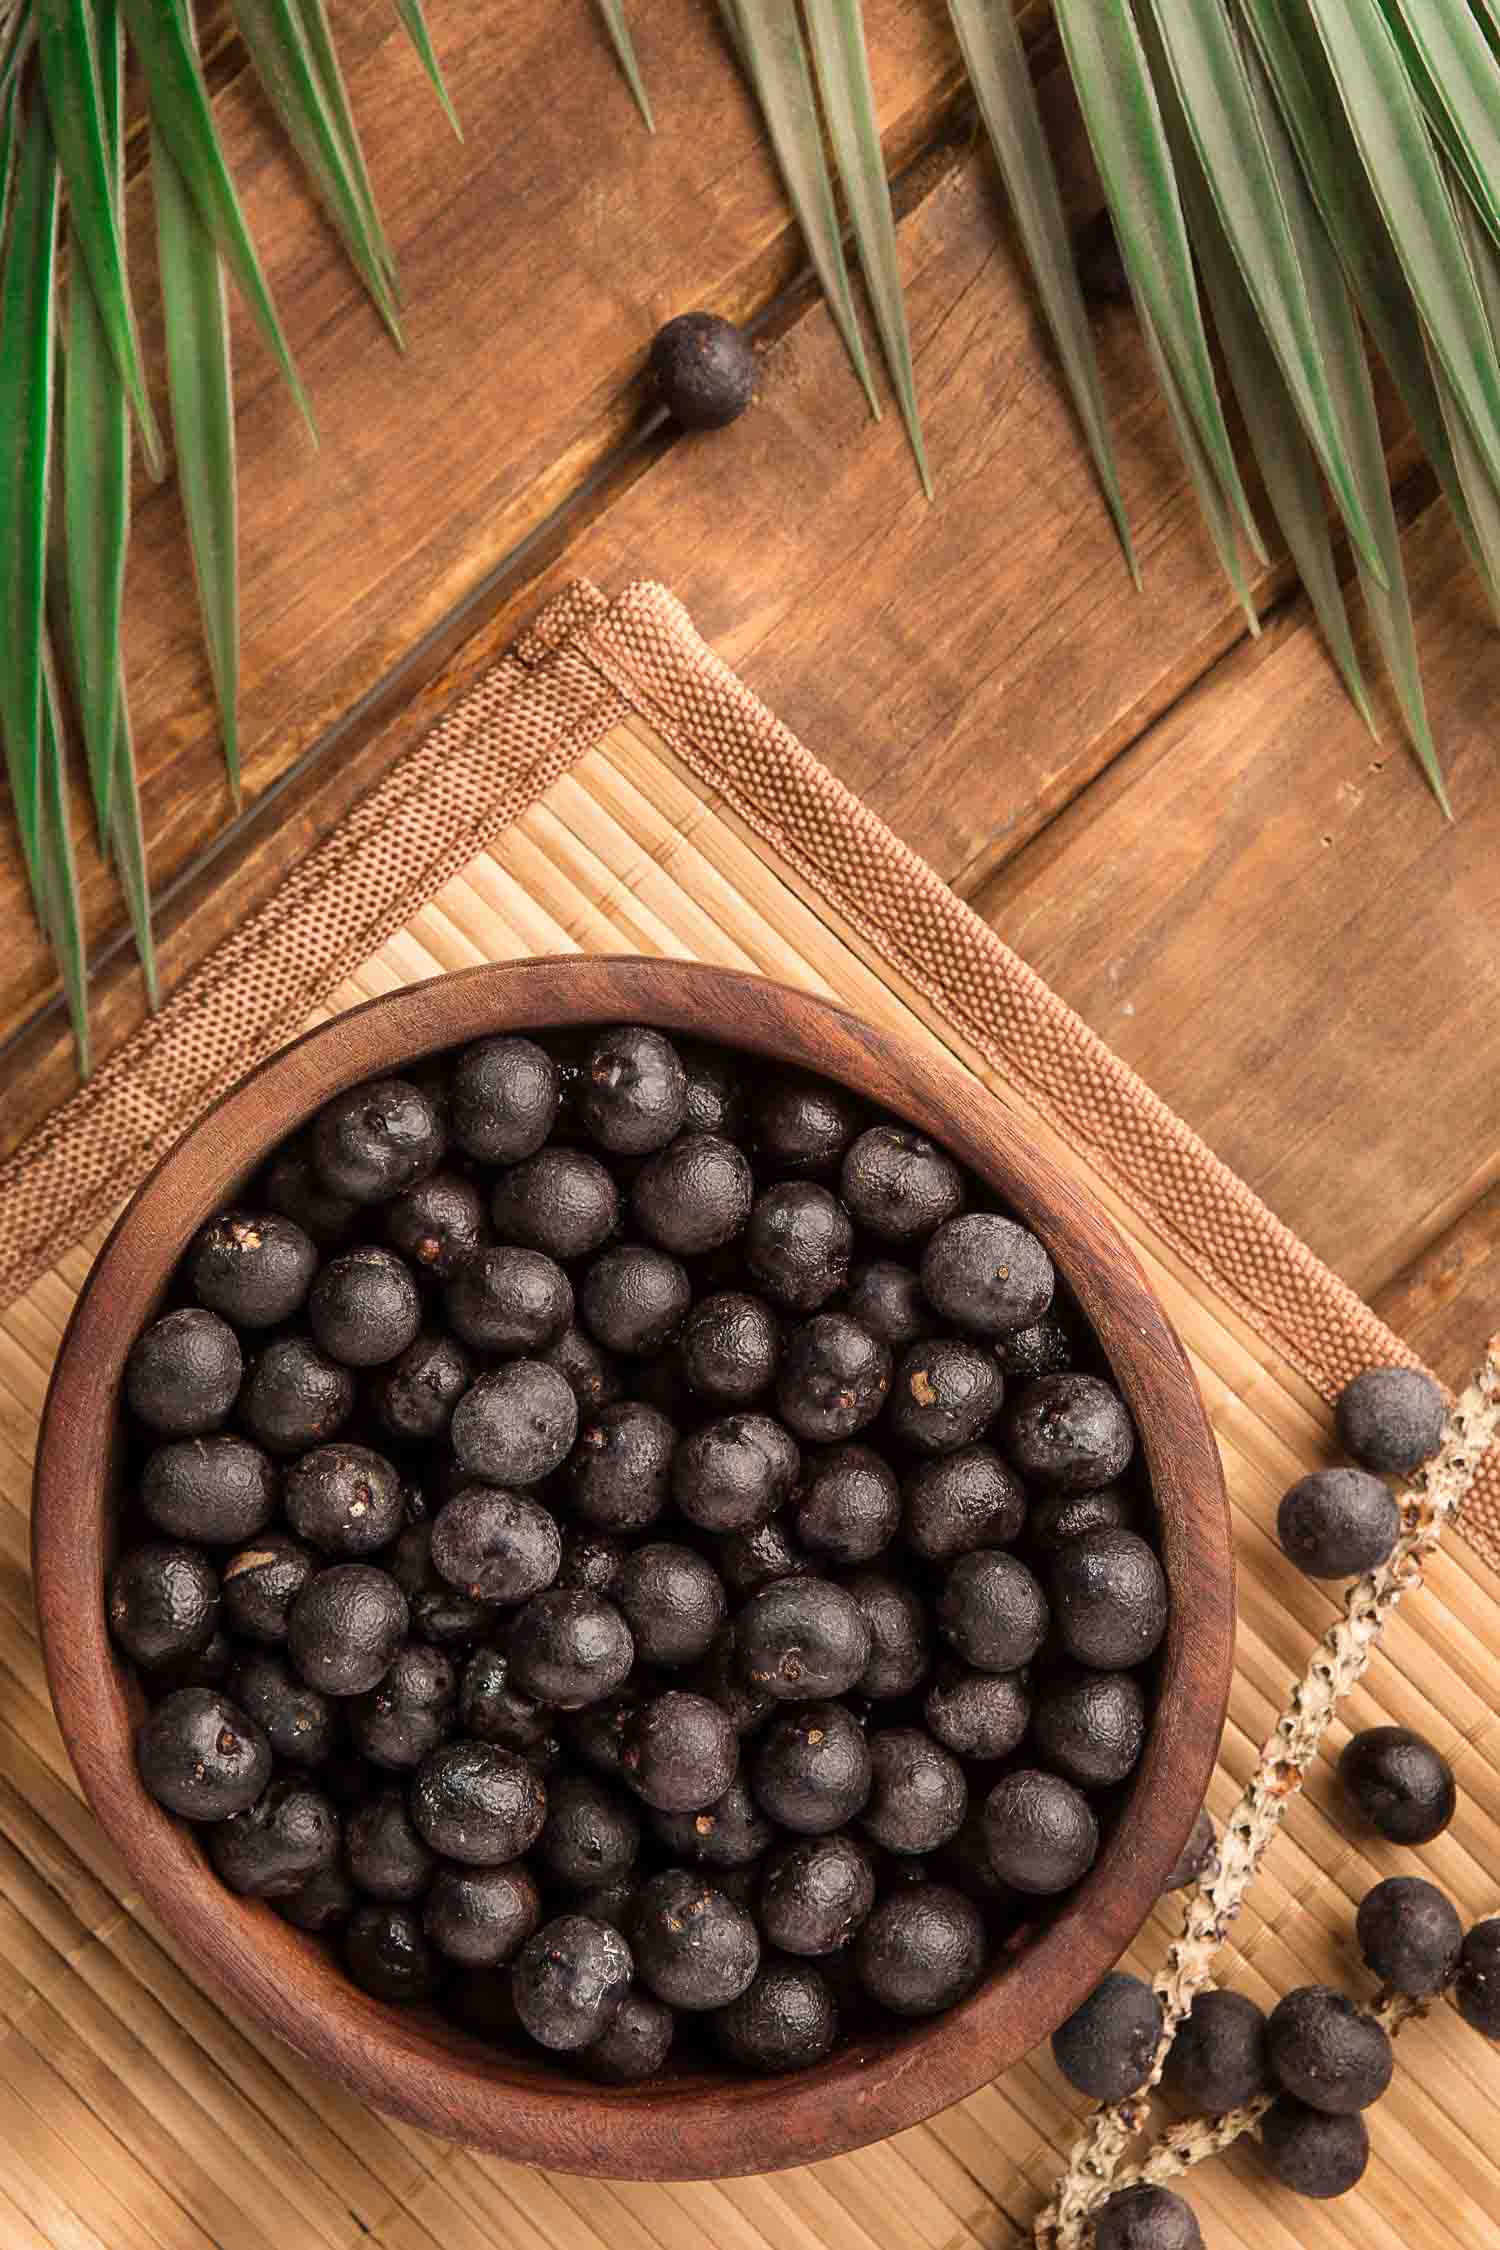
(693, 2125)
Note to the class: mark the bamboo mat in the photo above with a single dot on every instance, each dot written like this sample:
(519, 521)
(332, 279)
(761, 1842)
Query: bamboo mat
(135, 2112)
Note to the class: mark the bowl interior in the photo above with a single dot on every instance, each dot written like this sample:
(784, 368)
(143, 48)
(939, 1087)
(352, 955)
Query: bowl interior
(698, 2123)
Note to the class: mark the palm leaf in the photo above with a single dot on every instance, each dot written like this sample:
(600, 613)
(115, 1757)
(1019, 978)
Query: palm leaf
(318, 33)
(70, 77)
(768, 38)
(996, 63)
(182, 121)
(274, 34)
(128, 846)
(1124, 124)
(1217, 516)
(410, 12)
(618, 28)
(8, 139)
(199, 377)
(1460, 87)
(843, 68)
(1204, 65)
(28, 321)
(61, 907)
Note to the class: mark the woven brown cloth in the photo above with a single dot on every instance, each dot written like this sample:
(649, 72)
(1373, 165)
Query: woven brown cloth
(610, 787)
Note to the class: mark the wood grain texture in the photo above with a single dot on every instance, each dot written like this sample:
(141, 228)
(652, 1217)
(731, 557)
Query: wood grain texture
(1261, 910)
(692, 2125)
(1448, 1298)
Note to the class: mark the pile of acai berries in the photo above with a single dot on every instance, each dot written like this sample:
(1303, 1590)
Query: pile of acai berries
(630, 1543)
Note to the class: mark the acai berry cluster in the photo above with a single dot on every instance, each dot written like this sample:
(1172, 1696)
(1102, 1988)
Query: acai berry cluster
(632, 1545)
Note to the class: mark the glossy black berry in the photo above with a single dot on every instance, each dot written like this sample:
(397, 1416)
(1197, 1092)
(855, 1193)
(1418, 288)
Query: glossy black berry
(1219, 2058)
(900, 1185)
(1390, 1419)
(1046, 1348)
(811, 1771)
(636, 2043)
(415, 1398)
(437, 1224)
(1146, 2217)
(344, 1499)
(509, 1300)
(1312, 2153)
(735, 1473)
(589, 1372)
(495, 1546)
(345, 1627)
(679, 1752)
(481, 1916)
(1477, 1988)
(183, 1374)
(1090, 1726)
(729, 1348)
(694, 1947)
(785, 2019)
(633, 1095)
(294, 1191)
(492, 1708)
(715, 1092)
(294, 1396)
(300, 1724)
(991, 1611)
(569, 1979)
(633, 1299)
(254, 1268)
(201, 1756)
(258, 1586)
(694, 1195)
(475, 1802)
(730, 1832)
(387, 1954)
(322, 1904)
(592, 1833)
(1410, 1935)
(289, 1834)
(619, 1477)
(412, 1710)
(752, 1558)
(986, 1275)
(886, 1298)
(1197, 1854)
(1402, 1785)
(803, 1124)
(375, 1140)
(1053, 1518)
(438, 1611)
(835, 1377)
(216, 1491)
(1327, 2052)
(561, 1200)
(962, 1500)
(1338, 1523)
(798, 1244)
(569, 1647)
(815, 1894)
(945, 1394)
(1107, 2046)
(703, 370)
(1069, 1430)
(673, 1602)
(1109, 1599)
(502, 1099)
(162, 1600)
(900, 1636)
(800, 1638)
(977, 1714)
(918, 1795)
(921, 1949)
(1041, 1832)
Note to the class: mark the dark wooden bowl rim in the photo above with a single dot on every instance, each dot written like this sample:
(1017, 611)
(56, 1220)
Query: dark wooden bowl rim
(703, 2125)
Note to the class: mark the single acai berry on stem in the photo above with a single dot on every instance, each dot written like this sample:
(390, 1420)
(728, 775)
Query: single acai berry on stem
(345, 1627)
(636, 2043)
(509, 1300)
(704, 370)
(1477, 1989)
(945, 1394)
(365, 1308)
(816, 1893)
(798, 1243)
(634, 1298)
(835, 1378)
(694, 1195)
(735, 1473)
(804, 1124)
(294, 1396)
(253, 1268)
(162, 1601)
(694, 1947)
(1338, 1523)
(962, 1500)
(475, 1802)
(216, 1491)
(481, 1916)
(569, 1647)
(918, 1794)
(729, 1348)
(921, 1949)
(991, 1611)
(802, 1637)
(1327, 2052)
(812, 1770)
(375, 1140)
(1108, 2044)
(277, 1844)
(184, 1373)
(1402, 1785)
(633, 1096)
(387, 1954)
(1219, 2058)
(494, 1545)
(344, 1499)
(785, 2019)
(201, 1756)
(437, 1224)
(900, 1185)
(259, 1585)
(672, 1600)
(679, 1752)
(977, 1714)
(1410, 1935)
(619, 1475)
(569, 1980)
(1147, 2217)
(1311, 2152)
(1390, 1419)
(1109, 1599)
(1041, 1831)
(986, 1274)
(1072, 1431)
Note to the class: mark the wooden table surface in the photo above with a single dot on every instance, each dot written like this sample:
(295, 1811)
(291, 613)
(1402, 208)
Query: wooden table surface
(1187, 831)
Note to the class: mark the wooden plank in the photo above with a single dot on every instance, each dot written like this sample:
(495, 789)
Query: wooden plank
(1448, 1299)
(538, 259)
(1263, 911)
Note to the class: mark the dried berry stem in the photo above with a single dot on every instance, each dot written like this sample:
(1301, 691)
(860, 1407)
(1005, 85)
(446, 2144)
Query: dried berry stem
(1436, 1492)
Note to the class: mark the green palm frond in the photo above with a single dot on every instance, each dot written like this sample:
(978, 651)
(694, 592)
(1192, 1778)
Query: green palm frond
(616, 24)
(73, 386)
